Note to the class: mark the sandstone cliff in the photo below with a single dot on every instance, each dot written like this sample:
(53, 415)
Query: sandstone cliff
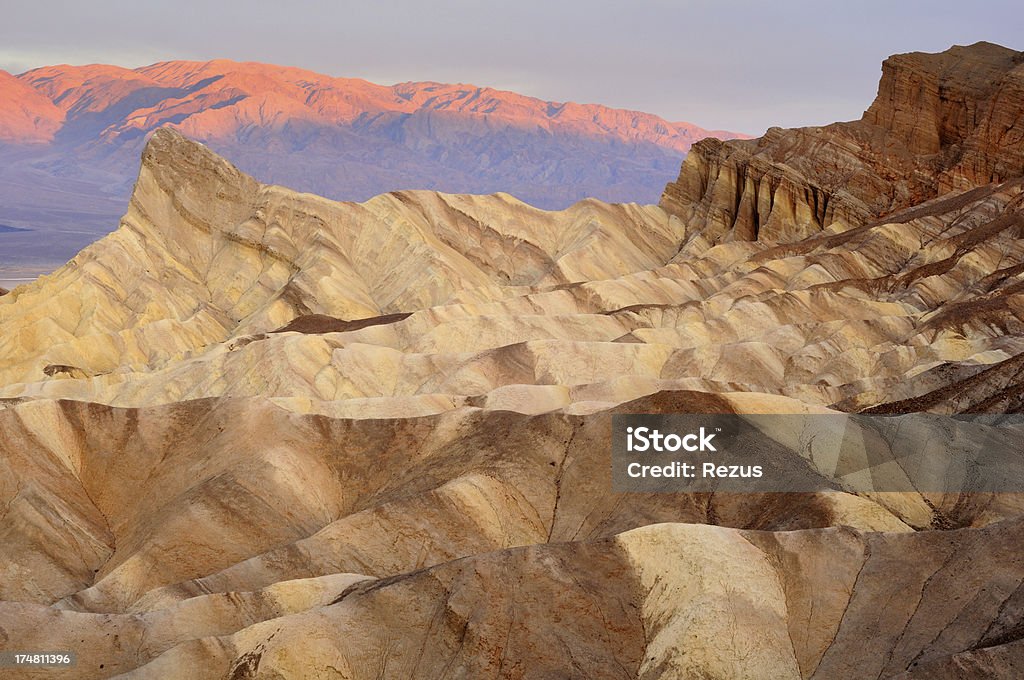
(940, 123)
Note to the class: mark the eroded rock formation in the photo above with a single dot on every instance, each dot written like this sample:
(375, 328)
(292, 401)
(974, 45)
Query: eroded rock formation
(940, 123)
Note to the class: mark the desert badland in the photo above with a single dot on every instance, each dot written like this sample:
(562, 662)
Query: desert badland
(259, 433)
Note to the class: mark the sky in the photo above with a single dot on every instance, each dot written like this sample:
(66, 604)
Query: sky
(739, 65)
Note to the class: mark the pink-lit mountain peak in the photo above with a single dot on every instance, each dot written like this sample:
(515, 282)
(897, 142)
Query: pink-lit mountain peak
(25, 114)
(85, 89)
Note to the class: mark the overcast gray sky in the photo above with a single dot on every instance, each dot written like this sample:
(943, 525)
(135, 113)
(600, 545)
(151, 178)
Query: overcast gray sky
(739, 65)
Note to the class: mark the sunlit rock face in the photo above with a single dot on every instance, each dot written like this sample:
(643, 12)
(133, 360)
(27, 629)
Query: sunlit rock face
(941, 123)
(258, 433)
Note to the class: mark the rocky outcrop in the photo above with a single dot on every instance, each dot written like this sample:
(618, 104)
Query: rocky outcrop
(940, 123)
(962, 108)
(744, 192)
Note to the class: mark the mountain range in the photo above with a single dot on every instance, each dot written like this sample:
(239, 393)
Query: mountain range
(257, 433)
(72, 135)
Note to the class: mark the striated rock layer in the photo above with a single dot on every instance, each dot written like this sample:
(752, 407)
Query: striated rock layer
(257, 433)
(216, 285)
(940, 124)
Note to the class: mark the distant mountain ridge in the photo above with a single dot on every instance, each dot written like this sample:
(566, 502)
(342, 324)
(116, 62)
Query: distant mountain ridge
(116, 101)
(112, 101)
(72, 135)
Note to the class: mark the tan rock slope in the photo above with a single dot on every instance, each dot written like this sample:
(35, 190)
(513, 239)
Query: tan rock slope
(256, 433)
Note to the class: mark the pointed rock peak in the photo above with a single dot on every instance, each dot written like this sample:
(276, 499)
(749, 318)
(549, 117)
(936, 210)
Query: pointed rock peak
(204, 189)
(168, 146)
(174, 161)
